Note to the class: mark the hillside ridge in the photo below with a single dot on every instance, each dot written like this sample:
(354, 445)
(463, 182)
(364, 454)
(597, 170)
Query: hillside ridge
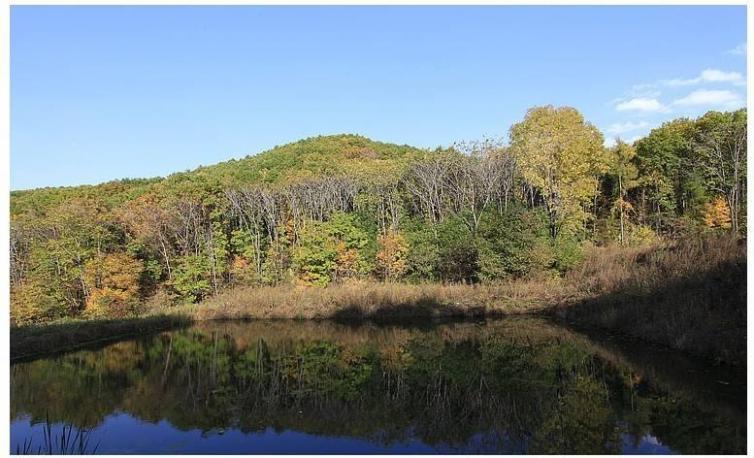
(349, 153)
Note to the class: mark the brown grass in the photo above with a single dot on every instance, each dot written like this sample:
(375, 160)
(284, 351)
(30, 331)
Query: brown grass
(374, 300)
(689, 295)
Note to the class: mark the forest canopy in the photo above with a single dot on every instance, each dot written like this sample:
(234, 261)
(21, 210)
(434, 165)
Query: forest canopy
(335, 208)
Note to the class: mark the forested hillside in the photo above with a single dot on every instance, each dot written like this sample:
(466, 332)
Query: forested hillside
(331, 209)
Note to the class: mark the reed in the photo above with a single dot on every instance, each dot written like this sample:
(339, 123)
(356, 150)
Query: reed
(70, 441)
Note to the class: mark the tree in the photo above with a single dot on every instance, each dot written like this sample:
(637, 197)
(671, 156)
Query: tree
(192, 278)
(562, 156)
(113, 283)
(425, 182)
(722, 141)
(475, 180)
(664, 159)
(391, 258)
(314, 257)
(622, 168)
(149, 223)
(717, 214)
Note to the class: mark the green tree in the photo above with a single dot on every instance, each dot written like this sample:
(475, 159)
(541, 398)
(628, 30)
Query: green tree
(662, 157)
(721, 141)
(192, 278)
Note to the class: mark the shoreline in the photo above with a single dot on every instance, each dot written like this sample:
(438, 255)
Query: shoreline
(688, 296)
(60, 338)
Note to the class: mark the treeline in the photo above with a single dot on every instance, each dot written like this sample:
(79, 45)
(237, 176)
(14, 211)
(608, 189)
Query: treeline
(478, 211)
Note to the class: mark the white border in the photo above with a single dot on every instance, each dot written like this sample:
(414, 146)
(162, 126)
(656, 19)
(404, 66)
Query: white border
(5, 142)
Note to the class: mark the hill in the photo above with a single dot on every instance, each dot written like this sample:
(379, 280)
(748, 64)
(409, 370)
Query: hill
(350, 154)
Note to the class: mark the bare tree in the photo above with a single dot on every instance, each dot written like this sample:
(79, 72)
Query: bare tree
(425, 182)
(20, 239)
(483, 175)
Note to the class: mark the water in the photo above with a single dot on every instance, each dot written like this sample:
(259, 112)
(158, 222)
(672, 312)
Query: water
(505, 386)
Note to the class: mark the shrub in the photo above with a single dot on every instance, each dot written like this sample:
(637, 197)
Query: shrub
(517, 240)
(459, 262)
(191, 278)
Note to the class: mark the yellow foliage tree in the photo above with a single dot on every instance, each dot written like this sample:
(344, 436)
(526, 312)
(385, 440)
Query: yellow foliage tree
(113, 284)
(562, 156)
(391, 258)
(31, 303)
(717, 214)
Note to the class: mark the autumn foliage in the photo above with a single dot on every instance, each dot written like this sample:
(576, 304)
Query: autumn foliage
(113, 285)
(392, 257)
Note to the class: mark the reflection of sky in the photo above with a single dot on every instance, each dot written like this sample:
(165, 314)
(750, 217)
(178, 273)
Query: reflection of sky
(122, 433)
(648, 445)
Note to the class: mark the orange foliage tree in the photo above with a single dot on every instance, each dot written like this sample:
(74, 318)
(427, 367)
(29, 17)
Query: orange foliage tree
(391, 258)
(113, 285)
(716, 214)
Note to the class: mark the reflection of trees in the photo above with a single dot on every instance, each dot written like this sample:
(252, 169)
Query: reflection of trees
(530, 385)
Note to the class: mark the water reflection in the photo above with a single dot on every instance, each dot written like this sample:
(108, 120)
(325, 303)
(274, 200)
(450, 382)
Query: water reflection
(508, 386)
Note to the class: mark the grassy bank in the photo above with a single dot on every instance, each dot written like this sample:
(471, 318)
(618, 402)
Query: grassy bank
(377, 301)
(688, 295)
(29, 342)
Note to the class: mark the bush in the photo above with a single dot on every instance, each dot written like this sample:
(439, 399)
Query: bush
(314, 257)
(515, 244)
(191, 279)
(459, 262)
(567, 254)
(423, 254)
(391, 259)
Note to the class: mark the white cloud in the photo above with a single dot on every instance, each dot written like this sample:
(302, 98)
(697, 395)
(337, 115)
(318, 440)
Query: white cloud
(713, 76)
(711, 98)
(622, 128)
(641, 104)
(710, 75)
(739, 50)
(644, 90)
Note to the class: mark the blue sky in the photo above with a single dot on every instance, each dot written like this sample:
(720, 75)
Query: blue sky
(99, 93)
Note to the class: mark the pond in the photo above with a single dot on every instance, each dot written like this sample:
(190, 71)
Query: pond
(497, 386)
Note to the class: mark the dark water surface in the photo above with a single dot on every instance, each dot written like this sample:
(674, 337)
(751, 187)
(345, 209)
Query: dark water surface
(506, 386)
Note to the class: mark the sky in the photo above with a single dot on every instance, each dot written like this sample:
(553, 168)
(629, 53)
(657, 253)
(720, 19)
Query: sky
(101, 93)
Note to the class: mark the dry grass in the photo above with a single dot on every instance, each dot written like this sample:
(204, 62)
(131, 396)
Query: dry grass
(374, 300)
(689, 295)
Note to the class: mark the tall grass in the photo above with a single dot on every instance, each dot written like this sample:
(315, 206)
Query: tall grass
(689, 295)
(70, 441)
(374, 300)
